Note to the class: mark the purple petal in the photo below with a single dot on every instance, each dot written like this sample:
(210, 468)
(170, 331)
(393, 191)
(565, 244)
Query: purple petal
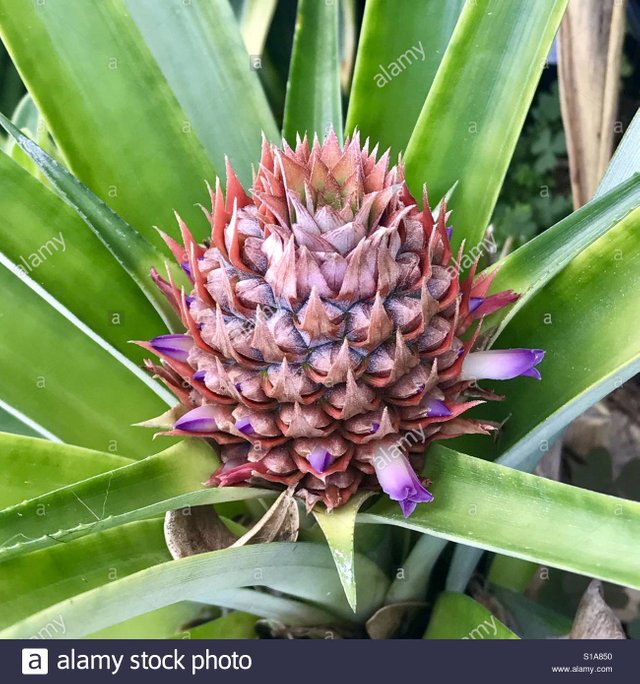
(474, 303)
(175, 346)
(375, 426)
(199, 375)
(408, 507)
(449, 230)
(437, 409)
(189, 299)
(244, 425)
(533, 373)
(398, 479)
(501, 364)
(187, 269)
(201, 419)
(319, 459)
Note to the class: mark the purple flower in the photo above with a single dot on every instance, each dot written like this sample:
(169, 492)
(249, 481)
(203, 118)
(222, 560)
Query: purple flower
(449, 230)
(437, 409)
(244, 426)
(398, 479)
(502, 364)
(319, 459)
(175, 346)
(201, 419)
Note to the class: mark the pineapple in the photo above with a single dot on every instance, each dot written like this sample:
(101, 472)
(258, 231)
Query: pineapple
(324, 342)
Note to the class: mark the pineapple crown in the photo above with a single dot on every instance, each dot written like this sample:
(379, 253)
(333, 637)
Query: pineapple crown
(328, 333)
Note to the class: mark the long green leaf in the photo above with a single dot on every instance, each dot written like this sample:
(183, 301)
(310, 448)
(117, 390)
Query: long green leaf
(534, 264)
(412, 583)
(32, 583)
(63, 376)
(395, 66)
(456, 616)
(313, 102)
(198, 46)
(168, 480)
(548, 522)
(43, 235)
(302, 570)
(111, 112)
(585, 319)
(32, 467)
(134, 253)
(473, 114)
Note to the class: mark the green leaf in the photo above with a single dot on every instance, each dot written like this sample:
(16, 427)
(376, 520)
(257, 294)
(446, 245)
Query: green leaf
(164, 623)
(166, 481)
(532, 620)
(511, 573)
(25, 117)
(32, 467)
(65, 378)
(463, 564)
(456, 616)
(60, 252)
(549, 522)
(534, 264)
(412, 584)
(33, 582)
(13, 422)
(338, 527)
(236, 625)
(199, 48)
(385, 106)
(313, 102)
(112, 113)
(134, 253)
(626, 160)
(301, 570)
(585, 319)
(254, 18)
(473, 114)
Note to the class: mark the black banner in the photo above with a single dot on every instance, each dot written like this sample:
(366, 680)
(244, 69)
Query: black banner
(322, 662)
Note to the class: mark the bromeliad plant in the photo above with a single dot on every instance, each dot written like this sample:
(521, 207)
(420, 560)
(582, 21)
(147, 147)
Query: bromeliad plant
(323, 329)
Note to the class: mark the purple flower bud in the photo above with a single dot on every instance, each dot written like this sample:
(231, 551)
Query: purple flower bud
(449, 230)
(175, 346)
(398, 479)
(199, 375)
(189, 299)
(244, 425)
(319, 459)
(375, 426)
(501, 364)
(201, 419)
(437, 409)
